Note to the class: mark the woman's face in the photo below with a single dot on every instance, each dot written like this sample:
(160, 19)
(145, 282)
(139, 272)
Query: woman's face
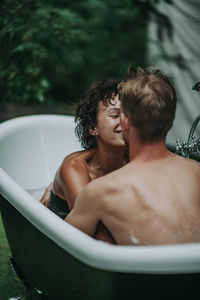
(108, 128)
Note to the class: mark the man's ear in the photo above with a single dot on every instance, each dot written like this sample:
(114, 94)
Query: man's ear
(93, 131)
(124, 122)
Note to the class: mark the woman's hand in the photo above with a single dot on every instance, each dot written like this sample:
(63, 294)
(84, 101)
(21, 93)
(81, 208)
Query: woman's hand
(47, 195)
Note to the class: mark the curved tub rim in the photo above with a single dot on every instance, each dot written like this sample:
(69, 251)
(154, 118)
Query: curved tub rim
(159, 259)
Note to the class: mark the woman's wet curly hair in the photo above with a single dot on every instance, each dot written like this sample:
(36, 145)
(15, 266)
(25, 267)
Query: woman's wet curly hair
(86, 113)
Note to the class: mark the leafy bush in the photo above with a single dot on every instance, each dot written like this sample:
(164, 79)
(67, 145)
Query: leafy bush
(52, 50)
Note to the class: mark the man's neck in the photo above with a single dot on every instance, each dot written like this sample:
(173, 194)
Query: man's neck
(147, 151)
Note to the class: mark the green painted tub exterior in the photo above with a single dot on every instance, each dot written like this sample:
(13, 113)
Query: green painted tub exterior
(50, 269)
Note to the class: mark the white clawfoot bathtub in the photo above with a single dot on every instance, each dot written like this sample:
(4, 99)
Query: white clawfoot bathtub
(55, 257)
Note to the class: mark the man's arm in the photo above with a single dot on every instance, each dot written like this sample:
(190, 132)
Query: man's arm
(86, 212)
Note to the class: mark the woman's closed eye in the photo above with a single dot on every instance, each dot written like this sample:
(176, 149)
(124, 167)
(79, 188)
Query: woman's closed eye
(114, 112)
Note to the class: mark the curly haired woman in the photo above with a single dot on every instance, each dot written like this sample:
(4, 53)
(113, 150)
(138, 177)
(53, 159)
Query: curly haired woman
(99, 131)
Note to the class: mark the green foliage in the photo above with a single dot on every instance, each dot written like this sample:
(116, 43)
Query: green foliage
(52, 50)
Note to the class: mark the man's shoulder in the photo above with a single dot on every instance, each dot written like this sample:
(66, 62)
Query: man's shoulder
(195, 166)
(92, 194)
(96, 185)
(111, 180)
(188, 166)
(191, 163)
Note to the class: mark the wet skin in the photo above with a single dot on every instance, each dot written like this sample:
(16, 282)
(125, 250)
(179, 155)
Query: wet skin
(153, 199)
(82, 167)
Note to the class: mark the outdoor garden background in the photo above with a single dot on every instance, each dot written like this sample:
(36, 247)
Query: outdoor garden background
(51, 51)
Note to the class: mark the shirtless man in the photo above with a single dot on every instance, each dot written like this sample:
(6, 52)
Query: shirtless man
(155, 198)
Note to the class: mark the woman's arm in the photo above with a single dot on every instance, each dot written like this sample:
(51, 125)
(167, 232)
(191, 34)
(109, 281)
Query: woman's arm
(46, 196)
(71, 178)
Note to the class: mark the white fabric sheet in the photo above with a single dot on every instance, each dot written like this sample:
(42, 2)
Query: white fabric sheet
(185, 18)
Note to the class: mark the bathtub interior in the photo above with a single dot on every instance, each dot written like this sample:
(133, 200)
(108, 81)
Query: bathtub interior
(33, 147)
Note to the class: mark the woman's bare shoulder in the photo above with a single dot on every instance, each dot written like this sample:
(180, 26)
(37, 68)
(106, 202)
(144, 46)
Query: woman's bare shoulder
(73, 172)
(77, 160)
(81, 155)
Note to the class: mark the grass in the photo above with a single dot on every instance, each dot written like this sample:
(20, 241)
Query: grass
(10, 284)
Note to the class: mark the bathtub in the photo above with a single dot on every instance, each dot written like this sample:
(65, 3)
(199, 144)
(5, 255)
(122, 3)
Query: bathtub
(58, 260)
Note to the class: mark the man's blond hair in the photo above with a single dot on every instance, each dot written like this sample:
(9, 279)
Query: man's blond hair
(149, 100)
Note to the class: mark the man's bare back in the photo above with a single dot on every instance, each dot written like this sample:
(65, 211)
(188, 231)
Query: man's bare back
(143, 212)
(146, 202)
